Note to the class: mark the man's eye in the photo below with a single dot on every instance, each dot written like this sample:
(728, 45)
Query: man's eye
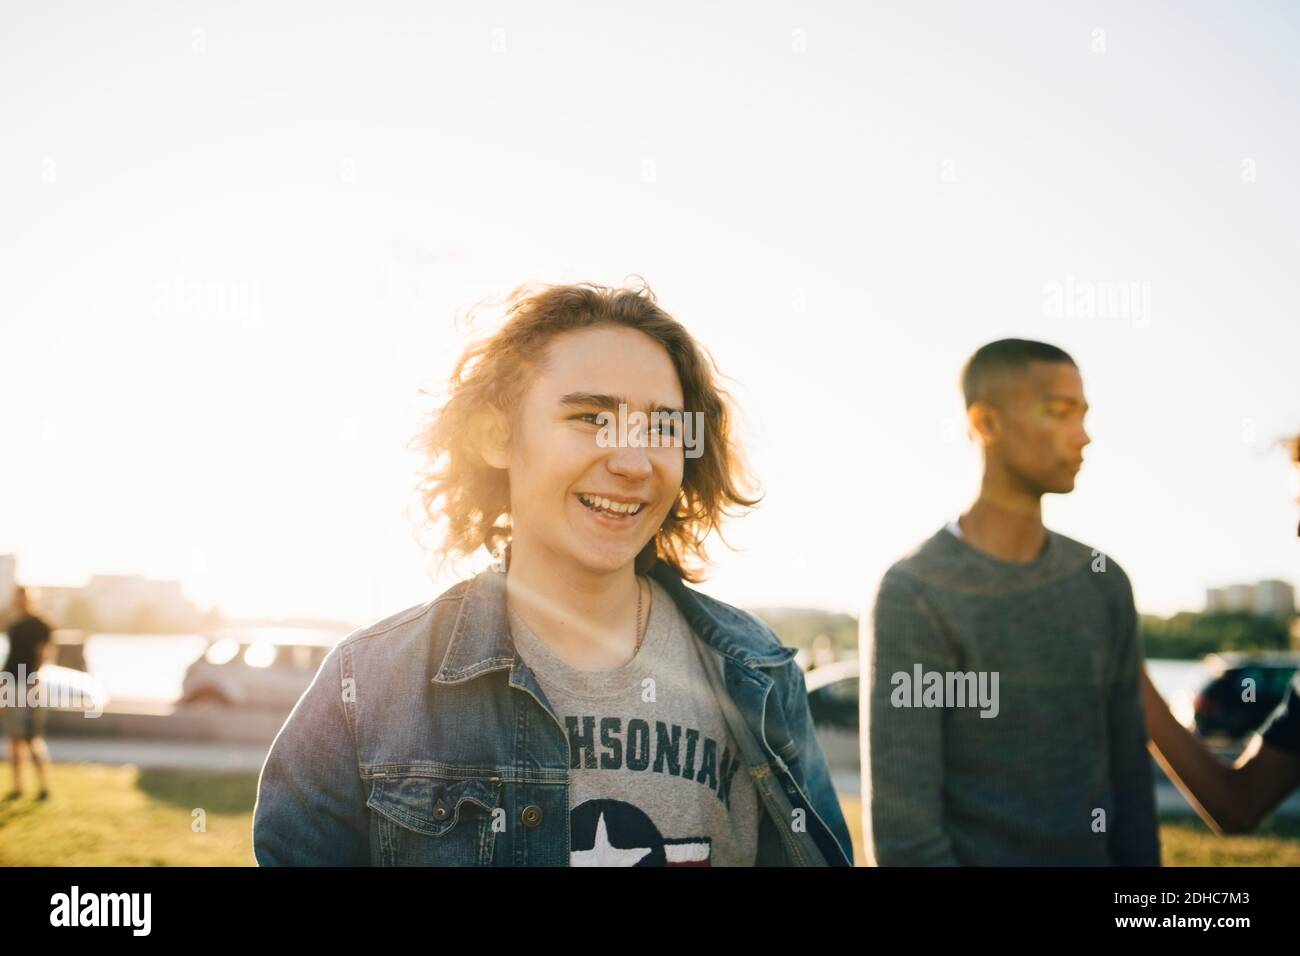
(587, 415)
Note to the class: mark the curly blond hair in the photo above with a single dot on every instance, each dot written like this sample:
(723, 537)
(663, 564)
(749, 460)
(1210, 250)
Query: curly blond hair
(466, 502)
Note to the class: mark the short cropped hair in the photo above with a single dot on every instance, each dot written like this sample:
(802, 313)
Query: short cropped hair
(1005, 355)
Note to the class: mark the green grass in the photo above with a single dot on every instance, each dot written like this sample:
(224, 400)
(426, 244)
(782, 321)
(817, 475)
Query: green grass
(1184, 841)
(1187, 841)
(121, 816)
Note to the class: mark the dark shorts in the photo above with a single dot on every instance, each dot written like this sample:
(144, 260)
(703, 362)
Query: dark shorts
(25, 723)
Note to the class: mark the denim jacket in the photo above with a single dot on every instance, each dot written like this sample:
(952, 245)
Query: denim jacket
(425, 740)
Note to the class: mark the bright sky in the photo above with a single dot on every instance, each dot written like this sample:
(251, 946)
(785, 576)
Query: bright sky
(234, 242)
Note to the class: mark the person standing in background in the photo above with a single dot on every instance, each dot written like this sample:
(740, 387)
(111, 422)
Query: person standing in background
(29, 638)
(1001, 718)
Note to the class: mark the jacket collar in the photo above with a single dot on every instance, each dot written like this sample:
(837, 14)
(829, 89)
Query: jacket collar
(729, 631)
(480, 637)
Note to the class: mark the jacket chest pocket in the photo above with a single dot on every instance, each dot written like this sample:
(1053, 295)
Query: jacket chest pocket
(421, 820)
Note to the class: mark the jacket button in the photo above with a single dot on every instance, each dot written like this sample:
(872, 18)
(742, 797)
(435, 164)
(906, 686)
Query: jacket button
(531, 815)
(440, 810)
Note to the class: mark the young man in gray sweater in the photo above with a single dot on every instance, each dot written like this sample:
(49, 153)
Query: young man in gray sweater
(1001, 715)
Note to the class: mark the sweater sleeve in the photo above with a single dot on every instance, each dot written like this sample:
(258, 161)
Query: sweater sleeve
(902, 747)
(1134, 831)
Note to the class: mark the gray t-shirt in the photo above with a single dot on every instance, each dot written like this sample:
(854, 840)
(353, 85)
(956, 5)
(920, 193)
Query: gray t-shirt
(1002, 716)
(655, 775)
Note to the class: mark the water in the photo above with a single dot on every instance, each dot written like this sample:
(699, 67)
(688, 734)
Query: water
(150, 667)
(1178, 683)
(142, 667)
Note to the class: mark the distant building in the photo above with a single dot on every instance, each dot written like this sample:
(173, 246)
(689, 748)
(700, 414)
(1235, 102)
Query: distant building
(56, 604)
(8, 581)
(1274, 598)
(1265, 598)
(128, 602)
(109, 602)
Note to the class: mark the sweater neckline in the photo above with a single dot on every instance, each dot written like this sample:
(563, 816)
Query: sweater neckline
(1042, 560)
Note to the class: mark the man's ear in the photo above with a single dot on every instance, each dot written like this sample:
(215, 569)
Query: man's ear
(984, 424)
(490, 436)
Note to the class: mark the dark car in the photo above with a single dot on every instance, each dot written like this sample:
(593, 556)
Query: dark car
(833, 694)
(1241, 694)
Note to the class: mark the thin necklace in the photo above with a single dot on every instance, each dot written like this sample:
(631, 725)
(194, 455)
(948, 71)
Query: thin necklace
(639, 634)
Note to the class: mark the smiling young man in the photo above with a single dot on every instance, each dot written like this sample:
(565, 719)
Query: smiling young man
(577, 704)
(1053, 770)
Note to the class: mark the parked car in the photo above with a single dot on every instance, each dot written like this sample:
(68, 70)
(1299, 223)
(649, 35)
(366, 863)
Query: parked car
(66, 688)
(63, 680)
(833, 694)
(246, 671)
(1221, 709)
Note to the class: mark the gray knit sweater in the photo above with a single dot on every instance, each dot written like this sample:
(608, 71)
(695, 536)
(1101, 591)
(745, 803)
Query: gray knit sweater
(1001, 715)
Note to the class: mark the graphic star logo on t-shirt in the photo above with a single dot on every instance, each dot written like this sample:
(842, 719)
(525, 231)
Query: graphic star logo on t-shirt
(614, 833)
